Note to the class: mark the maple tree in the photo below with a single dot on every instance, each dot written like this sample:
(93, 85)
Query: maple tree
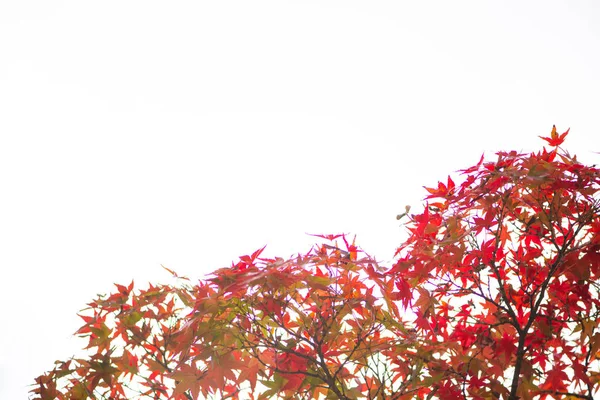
(494, 294)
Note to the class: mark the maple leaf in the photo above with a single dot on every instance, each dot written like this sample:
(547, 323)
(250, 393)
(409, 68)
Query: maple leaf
(188, 378)
(127, 363)
(249, 372)
(328, 237)
(101, 368)
(556, 380)
(555, 139)
(404, 293)
(505, 346)
(443, 190)
(100, 336)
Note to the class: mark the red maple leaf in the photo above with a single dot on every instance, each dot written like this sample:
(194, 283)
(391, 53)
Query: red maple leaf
(555, 139)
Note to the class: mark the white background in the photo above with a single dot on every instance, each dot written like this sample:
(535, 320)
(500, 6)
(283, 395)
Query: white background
(187, 133)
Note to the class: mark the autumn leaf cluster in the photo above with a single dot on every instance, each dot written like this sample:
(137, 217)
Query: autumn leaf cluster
(493, 295)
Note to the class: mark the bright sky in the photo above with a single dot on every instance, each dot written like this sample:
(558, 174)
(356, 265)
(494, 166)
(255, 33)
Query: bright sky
(187, 133)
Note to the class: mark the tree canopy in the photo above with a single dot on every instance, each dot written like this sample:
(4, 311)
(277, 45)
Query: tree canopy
(493, 295)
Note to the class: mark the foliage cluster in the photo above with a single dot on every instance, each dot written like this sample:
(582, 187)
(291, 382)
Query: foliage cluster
(493, 295)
